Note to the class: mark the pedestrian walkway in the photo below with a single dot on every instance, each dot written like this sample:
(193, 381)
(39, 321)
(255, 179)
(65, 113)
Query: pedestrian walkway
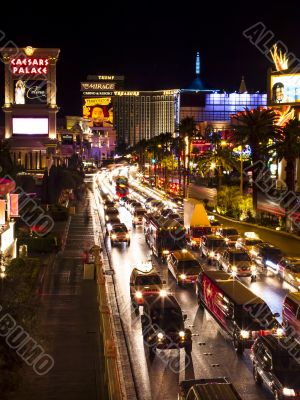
(69, 326)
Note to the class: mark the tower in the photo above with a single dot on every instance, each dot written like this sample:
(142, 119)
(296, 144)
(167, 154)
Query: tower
(197, 64)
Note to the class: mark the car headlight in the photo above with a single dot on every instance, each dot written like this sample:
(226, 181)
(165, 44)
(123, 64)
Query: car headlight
(127, 235)
(298, 279)
(113, 236)
(253, 268)
(194, 242)
(160, 335)
(182, 334)
(136, 219)
(165, 252)
(107, 218)
(211, 254)
(182, 276)
(226, 239)
(245, 334)
(288, 392)
(139, 294)
(234, 268)
(279, 332)
(163, 293)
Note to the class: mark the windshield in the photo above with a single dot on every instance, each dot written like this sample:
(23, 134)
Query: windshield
(140, 212)
(119, 229)
(198, 232)
(188, 264)
(255, 317)
(168, 318)
(229, 232)
(252, 242)
(112, 212)
(216, 243)
(147, 280)
(239, 257)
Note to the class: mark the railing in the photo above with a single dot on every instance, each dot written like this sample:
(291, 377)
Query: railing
(112, 376)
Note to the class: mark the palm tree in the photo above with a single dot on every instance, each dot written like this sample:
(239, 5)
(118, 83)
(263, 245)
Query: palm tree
(177, 146)
(288, 147)
(255, 128)
(187, 130)
(218, 160)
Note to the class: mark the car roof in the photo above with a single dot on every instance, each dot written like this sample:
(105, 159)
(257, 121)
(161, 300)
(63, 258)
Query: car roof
(266, 245)
(236, 251)
(214, 237)
(181, 255)
(224, 391)
(233, 288)
(278, 346)
(111, 209)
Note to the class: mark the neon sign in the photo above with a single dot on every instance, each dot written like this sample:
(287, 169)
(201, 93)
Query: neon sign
(32, 66)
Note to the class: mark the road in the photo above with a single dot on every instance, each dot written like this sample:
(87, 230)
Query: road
(213, 354)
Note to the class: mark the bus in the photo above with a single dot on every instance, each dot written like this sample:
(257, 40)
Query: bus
(122, 187)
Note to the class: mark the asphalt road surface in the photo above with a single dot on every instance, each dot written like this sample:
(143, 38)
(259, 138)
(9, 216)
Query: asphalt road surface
(213, 354)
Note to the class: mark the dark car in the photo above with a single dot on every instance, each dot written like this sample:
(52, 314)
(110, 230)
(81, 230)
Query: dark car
(276, 362)
(163, 325)
(207, 389)
(266, 255)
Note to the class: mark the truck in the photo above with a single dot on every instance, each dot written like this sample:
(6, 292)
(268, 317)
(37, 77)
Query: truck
(196, 222)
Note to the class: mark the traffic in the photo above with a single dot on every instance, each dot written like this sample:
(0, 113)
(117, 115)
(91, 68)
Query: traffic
(193, 281)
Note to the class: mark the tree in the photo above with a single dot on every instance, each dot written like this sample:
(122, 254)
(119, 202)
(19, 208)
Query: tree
(187, 130)
(288, 147)
(255, 127)
(217, 160)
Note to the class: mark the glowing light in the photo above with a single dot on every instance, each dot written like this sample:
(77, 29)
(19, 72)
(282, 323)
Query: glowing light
(280, 60)
(213, 165)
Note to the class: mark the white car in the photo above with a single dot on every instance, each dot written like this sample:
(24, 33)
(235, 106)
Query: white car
(238, 263)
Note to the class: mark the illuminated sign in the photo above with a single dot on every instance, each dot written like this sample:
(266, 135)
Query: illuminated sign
(99, 111)
(29, 66)
(285, 88)
(30, 92)
(97, 94)
(7, 238)
(14, 204)
(97, 86)
(30, 126)
(2, 212)
(170, 92)
(129, 93)
(105, 78)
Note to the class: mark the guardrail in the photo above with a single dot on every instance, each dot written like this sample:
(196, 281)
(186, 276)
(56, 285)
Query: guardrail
(112, 376)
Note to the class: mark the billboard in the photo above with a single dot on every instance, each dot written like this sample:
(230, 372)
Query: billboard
(30, 126)
(97, 86)
(99, 112)
(285, 88)
(30, 91)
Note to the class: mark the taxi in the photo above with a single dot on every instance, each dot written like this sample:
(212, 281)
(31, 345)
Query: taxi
(145, 281)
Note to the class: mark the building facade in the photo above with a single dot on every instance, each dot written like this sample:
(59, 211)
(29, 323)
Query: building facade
(30, 105)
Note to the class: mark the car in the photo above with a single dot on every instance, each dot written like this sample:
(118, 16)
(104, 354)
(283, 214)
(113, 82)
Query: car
(112, 221)
(119, 234)
(246, 243)
(133, 205)
(163, 325)
(122, 201)
(137, 217)
(128, 203)
(231, 240)
(144, 281)
(165, 213)
(225, 232)
(184, 267)
(266, 255)
(207, 389)
(288, 269)
(237, 263)
(276, 364)
(108, 204)
(110, 213)
(239, 312)
(291, 314)
(211, 247)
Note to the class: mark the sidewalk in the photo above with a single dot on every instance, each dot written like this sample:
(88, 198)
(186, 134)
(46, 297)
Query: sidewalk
(69, 328)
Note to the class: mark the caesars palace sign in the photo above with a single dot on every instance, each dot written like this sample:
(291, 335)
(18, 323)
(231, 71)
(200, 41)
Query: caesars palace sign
(32, 66)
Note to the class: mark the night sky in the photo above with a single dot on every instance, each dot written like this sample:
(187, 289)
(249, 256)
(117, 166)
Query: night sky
(155, 49)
